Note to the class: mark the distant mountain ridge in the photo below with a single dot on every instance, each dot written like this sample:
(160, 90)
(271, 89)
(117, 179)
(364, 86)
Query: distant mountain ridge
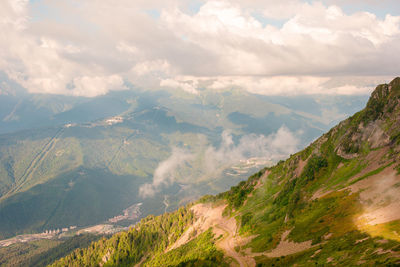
(335, 203)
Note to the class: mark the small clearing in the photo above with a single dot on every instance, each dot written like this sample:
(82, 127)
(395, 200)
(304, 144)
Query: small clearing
(286, 247)
(261, 181)
(259, 184)
(300, 167)
(321, 193)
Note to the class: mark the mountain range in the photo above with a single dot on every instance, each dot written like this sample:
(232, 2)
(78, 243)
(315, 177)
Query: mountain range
(334, 203)
(76, 161)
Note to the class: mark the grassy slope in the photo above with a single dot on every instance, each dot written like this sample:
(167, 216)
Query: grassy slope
(285, 202)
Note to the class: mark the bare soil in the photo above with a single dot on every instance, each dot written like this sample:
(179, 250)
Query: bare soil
(286, 247)
(208, 216)
(379, 196)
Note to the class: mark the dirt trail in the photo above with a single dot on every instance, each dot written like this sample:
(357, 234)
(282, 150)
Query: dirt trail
(143, 259)
(207, 217)
(228, 243)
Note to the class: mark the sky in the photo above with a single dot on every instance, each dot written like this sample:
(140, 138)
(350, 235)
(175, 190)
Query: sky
(286, 47)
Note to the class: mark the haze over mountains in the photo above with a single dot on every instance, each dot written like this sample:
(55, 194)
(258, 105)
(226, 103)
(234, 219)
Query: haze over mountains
(116, 115)
(80, 161)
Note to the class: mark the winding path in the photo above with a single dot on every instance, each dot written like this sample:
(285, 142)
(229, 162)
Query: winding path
(228, 244)
(208, 216)
(225, 226)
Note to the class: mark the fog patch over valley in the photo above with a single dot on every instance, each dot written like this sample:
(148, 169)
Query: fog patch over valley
(214, 160)
(164, 173)
(273, 147)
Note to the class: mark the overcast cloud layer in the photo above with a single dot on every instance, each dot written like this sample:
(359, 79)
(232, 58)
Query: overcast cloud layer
(89, 47)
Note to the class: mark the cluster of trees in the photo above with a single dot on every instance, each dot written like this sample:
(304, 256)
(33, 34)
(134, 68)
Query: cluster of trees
(290, 195)
(152, 235)
(238, 194)
(201, 251)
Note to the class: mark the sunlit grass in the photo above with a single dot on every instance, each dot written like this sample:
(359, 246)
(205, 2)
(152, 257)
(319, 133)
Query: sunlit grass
(388, 230)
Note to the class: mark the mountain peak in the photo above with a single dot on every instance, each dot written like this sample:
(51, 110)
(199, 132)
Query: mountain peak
(384, 101)
(395, 83)
(383, 91)
(375, 126)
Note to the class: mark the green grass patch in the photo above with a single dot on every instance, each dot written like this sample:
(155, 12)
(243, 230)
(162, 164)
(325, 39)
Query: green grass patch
(332, 213)
(389, 230)
(398, 169)
(344, 250)
(238, 194)
(344, 173)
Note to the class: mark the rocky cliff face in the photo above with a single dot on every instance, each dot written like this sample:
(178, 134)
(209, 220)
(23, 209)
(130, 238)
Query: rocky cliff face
(377, 125)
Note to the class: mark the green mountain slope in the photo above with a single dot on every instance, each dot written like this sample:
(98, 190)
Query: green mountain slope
(334, 203)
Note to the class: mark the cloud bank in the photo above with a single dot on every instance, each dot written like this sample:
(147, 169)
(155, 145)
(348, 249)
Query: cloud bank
(164, 173)
(87, 48)
(273, 147)
(214, 160)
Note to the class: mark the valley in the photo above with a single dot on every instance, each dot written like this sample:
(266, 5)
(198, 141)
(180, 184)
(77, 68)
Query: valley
(77, 172)
(333, 203)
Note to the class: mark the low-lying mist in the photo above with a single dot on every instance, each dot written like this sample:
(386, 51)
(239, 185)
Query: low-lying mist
(211, 161)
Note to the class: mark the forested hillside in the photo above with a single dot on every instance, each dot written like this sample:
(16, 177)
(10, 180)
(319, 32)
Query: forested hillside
(149, 240)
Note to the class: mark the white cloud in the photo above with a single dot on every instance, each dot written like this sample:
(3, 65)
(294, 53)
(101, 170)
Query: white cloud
(189, 86)
(147, 67)
(164, 173)
(317, 39)
(92, 86)
(86, 42)
(211, 160)
(278, 85)
(273, 85)
(274, 147)
(13, 14)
